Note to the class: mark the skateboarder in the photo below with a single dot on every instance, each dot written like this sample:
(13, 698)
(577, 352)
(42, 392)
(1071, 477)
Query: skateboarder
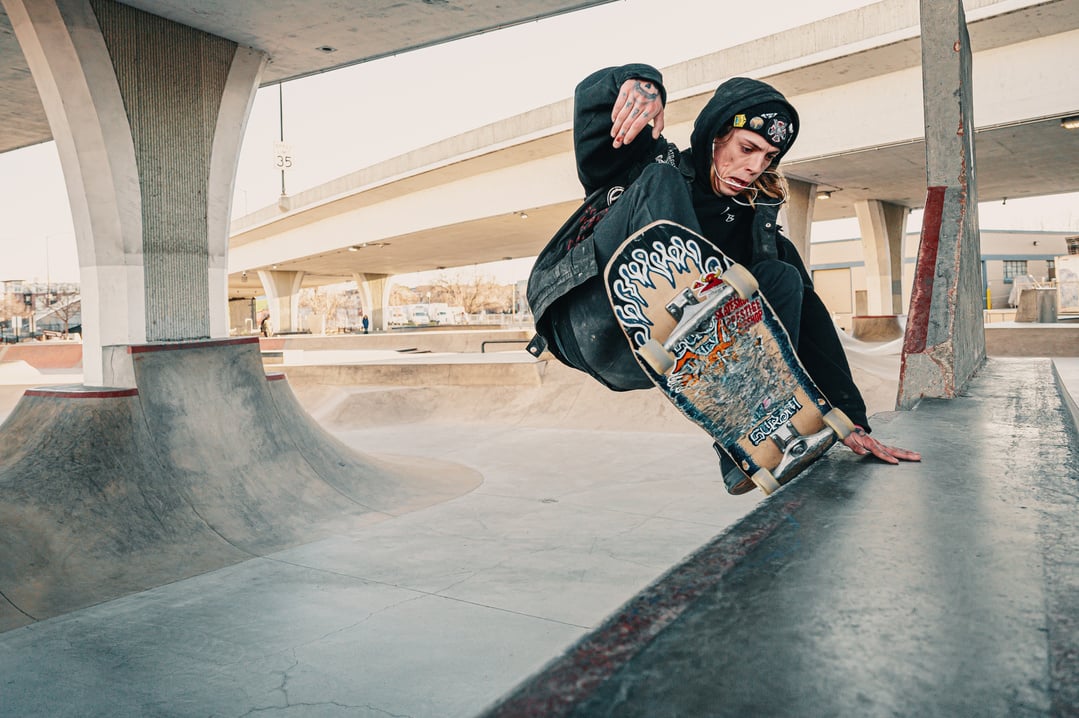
(726, 186)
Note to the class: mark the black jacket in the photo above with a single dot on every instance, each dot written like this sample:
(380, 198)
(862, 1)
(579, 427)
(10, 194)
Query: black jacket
(747, 235)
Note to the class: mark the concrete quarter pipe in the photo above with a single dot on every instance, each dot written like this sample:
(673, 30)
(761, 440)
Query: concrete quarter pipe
(206, 463)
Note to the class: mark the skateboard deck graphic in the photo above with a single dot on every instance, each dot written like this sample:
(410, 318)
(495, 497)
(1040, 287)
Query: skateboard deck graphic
(714, 346)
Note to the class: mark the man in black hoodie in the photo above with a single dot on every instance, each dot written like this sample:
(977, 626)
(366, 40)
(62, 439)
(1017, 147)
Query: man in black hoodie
(725, 187)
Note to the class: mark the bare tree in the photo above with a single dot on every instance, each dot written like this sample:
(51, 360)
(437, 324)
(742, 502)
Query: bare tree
(68, 305)
(476, 294)
(400, 296)
(320, 301)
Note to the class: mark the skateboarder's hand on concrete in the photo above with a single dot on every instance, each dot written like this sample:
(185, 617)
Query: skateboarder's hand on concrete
(639, 102)
(863, 444)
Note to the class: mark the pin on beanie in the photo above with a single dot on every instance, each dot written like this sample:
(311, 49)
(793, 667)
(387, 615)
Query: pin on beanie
(771, 120)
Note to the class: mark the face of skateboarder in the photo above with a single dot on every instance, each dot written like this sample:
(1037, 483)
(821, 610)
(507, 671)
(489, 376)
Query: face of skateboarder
(738, 158)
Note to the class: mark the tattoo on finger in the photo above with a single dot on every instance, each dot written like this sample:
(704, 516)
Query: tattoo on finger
(646, 89)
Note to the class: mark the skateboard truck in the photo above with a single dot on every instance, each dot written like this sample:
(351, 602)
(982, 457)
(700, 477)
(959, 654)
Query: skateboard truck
(689, 311)
(677, 306)
(794, 446)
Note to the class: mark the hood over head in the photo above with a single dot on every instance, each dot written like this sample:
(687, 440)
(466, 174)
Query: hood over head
(749, 104)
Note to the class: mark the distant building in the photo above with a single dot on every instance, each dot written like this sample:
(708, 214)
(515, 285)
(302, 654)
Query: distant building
(838, 267)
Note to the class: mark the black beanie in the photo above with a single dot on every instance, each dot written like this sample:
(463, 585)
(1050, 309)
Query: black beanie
(771, 120)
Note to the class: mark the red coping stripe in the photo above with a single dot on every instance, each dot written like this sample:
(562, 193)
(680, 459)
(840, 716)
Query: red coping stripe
(69, 393)
(276, 376)
(921, 298)
(571, 679)
(194, 344)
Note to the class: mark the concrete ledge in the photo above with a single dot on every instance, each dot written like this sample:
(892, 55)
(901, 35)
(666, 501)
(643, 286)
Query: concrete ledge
(446, 340)
(525, 373)
(1032, 340)
(936, 589)
(1066, 373)
(1037, 305)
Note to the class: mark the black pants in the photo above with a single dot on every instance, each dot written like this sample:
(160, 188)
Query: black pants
(582, 323)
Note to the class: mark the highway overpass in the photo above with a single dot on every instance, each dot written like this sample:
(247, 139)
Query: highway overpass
(500, 192)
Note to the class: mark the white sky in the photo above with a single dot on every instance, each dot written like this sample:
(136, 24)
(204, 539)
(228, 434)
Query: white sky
(341, 121)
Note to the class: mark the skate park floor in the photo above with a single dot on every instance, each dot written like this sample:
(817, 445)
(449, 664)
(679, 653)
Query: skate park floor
(443, 611)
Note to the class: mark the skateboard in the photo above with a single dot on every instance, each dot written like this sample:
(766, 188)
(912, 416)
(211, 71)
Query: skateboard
(702, 332)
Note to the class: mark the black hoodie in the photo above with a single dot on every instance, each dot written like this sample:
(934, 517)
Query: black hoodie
(747, 235)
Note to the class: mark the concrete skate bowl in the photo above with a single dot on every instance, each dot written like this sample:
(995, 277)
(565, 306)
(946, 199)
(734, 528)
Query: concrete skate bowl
(107, 492)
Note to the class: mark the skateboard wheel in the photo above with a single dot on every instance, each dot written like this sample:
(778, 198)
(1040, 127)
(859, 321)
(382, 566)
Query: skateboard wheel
(656, 356)
(838, 422)
(765, 481)
(741, 281)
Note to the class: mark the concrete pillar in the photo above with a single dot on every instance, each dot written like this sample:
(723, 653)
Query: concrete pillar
(375, 291)
(148, 116)
(242, 316)
(283, 296)
(797, 219)
(945, 338)
(883, 226)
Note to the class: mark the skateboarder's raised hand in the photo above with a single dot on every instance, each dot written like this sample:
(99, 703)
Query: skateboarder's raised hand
(863, 444)
(639, 102)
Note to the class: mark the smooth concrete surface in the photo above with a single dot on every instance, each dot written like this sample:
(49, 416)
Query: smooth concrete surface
(882, 328)
(1038, 304)
(386, 369)
(468, 339)
(1066, 371)
(945, 588)
(441, 611)
(433, 613)
(1017, 339)
(207, 463)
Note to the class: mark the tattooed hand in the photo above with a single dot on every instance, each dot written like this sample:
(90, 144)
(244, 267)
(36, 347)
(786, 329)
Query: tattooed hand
(639, 102)
(863, 444)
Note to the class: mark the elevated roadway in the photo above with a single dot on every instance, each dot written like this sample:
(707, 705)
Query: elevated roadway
(302, 38)
(501, 191)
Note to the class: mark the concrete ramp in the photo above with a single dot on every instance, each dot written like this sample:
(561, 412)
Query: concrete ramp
(946, 588)
(104, 492)
(83, 495)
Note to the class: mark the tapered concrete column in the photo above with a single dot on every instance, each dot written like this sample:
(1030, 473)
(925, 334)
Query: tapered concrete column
(148, 116)
(283, 294)
(883, 226)
(375, 290)
(945, 340)
(797, 219)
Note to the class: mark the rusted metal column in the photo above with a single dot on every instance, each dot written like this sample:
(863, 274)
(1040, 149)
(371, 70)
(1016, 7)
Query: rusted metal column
(945, 339)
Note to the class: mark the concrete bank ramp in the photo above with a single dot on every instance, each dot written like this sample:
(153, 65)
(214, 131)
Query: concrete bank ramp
(358, 389)
(562, 398)
(208, 462)
(940, 589)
